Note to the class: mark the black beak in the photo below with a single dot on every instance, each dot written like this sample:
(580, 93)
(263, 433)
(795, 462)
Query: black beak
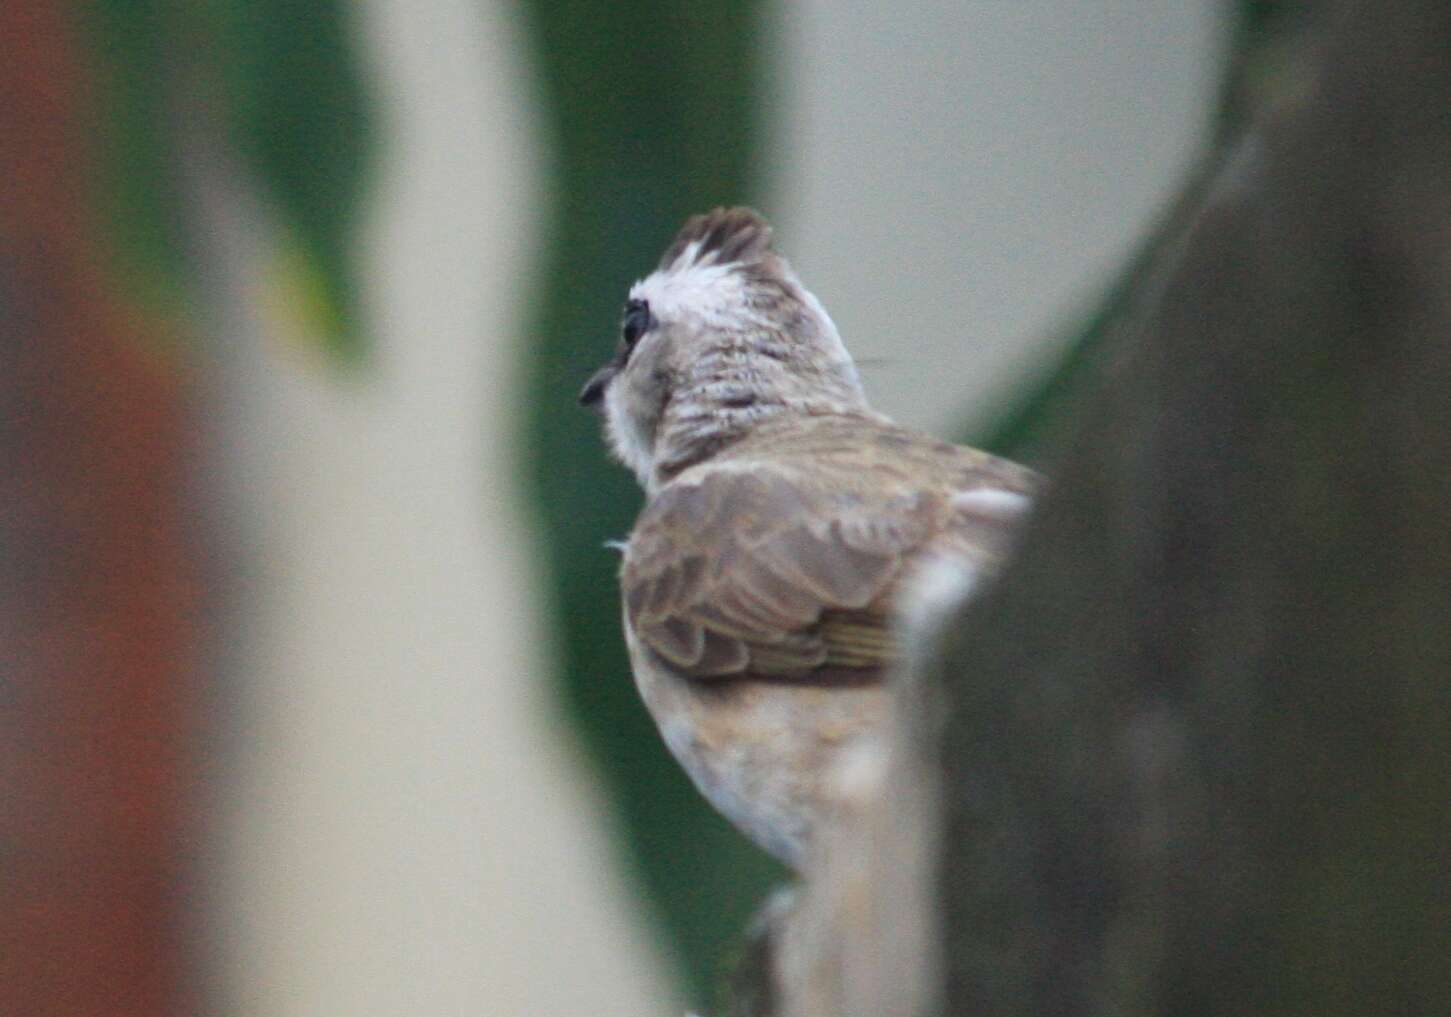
(594, 389)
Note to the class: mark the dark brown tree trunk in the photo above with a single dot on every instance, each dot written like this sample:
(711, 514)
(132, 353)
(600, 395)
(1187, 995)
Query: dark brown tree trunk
(1195, 746)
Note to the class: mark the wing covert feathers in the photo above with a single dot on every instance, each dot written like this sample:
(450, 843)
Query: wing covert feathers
(767, 571)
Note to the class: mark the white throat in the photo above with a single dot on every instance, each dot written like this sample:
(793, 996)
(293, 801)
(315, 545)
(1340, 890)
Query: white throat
(631, 444)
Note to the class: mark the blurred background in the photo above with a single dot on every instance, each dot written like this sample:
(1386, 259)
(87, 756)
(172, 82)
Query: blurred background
(313, 699)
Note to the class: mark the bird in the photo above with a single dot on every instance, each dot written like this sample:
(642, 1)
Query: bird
(789, 530)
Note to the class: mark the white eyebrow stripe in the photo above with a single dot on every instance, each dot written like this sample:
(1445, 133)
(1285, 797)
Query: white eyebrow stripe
(992, 501)
(708, 291)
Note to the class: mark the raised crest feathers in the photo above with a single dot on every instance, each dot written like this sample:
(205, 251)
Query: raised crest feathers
(721, 236)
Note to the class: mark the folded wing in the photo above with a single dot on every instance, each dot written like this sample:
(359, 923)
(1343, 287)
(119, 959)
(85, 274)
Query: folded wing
(758, 571)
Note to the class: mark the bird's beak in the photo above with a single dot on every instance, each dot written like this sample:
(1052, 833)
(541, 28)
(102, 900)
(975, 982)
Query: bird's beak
(594, 389)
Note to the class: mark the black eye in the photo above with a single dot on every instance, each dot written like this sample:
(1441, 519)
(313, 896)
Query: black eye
(637, 321)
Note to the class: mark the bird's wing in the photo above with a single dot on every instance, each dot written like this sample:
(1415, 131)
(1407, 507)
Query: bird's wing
(753, 571)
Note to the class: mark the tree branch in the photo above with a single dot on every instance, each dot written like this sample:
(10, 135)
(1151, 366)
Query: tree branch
(1193, 750)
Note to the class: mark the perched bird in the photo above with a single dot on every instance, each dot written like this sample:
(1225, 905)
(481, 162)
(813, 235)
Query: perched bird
(787, 525)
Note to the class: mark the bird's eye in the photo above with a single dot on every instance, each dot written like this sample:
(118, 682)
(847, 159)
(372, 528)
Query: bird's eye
(637, 321)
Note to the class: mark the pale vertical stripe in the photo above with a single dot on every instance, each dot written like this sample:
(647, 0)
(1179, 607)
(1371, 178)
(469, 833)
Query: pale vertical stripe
(407, 832)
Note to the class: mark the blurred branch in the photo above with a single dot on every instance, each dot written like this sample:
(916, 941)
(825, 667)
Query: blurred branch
(100, 627)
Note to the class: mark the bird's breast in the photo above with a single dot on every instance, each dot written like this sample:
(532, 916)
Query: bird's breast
(762, 752)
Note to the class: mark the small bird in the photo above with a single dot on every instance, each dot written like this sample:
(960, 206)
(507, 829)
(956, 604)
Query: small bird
(788, 527)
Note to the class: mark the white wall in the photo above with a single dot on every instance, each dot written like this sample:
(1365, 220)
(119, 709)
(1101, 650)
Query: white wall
(957, 179)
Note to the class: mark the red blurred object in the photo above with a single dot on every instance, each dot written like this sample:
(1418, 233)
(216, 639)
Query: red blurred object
(99, 605)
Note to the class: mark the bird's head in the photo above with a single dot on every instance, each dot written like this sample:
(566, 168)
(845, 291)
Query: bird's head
(718, 338)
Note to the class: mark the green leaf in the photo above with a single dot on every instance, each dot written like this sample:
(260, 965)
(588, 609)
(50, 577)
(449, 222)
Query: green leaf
(653, 112)
(139, 191)
(277, 81)
(299, 116)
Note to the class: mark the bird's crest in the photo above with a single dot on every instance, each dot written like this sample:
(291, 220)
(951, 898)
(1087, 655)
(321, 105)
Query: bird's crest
(722, 236)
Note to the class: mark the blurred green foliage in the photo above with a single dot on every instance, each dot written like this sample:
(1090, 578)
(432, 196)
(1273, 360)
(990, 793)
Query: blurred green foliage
(139, 186)
(279, 85)
(652, 112)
